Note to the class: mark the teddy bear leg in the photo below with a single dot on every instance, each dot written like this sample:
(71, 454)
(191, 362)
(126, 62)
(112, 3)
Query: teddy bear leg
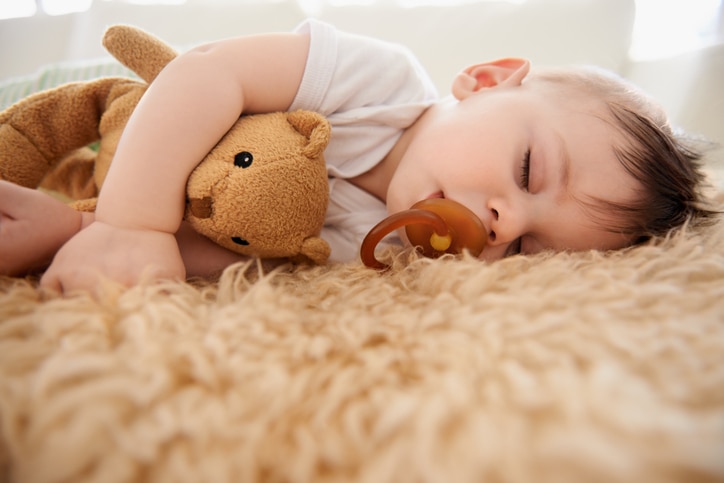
(33, 227)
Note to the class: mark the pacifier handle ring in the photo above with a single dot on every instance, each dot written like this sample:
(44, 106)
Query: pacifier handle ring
(435, 225)
(394, 222)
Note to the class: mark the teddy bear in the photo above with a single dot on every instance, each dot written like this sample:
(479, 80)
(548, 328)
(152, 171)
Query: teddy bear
(261, 191)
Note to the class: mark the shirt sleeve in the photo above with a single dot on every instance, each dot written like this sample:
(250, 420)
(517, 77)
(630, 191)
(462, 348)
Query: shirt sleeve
(369, 90)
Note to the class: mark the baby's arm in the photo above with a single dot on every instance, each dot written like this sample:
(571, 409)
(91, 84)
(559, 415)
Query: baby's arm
(33, 226)
(184, 113)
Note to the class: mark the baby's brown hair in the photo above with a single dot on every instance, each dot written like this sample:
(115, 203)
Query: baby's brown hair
(667, 164)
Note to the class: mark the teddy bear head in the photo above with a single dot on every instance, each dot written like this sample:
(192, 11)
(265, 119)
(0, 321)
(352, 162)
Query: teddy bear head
(263, 189)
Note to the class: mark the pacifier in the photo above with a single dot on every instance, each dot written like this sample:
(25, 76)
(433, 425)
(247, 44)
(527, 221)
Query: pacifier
(436, 226)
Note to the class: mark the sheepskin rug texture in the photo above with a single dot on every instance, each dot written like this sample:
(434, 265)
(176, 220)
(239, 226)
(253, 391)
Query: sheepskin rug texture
(555, 368)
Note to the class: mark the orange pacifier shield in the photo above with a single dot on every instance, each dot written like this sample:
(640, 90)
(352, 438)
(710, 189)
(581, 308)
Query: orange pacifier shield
(436, 226)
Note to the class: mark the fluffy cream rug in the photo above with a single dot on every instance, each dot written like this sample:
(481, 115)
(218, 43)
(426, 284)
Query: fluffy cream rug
(559, 368)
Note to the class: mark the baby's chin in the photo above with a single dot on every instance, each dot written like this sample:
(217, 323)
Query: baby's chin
(394, 204)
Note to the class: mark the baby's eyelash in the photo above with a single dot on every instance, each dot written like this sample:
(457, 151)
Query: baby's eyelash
(525, 170)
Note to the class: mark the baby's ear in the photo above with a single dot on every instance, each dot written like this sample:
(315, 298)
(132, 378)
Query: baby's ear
(503, 72)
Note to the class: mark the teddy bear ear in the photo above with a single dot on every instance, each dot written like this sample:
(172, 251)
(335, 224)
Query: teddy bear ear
(315, 249)
(143, 53)
(314, 127)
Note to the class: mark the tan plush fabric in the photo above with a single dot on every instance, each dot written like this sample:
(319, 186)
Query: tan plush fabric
(557, 368)
(271, 206)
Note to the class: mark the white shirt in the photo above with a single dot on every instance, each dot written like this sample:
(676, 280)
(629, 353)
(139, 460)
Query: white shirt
(370, 91)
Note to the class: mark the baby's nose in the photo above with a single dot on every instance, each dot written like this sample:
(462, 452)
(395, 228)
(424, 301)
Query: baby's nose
(503, 228)
(489, 219)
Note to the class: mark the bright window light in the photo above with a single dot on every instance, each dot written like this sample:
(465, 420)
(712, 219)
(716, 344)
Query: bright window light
(669, 27)
(662, 27)
(61, 7)
(153, 2)
(17, 8)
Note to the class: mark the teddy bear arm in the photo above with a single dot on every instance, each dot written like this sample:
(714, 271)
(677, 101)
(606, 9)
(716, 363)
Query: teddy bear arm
(38, 131)
(315, 249)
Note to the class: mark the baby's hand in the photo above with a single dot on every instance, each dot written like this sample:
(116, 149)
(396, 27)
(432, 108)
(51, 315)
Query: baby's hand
(123, 255)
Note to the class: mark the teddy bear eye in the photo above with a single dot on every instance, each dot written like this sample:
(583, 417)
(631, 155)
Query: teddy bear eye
(243, 159)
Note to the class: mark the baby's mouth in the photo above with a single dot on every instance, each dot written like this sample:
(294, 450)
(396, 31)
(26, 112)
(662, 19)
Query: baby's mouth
(435, 224)
(441, 195)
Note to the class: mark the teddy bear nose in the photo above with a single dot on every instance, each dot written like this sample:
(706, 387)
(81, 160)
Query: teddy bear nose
(201, 207)
(239, 241)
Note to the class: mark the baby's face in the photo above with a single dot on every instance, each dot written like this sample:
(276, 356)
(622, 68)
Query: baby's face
(522, 158)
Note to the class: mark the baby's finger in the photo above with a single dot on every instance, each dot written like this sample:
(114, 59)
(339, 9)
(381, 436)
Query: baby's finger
(51, 281)
(78, 280)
